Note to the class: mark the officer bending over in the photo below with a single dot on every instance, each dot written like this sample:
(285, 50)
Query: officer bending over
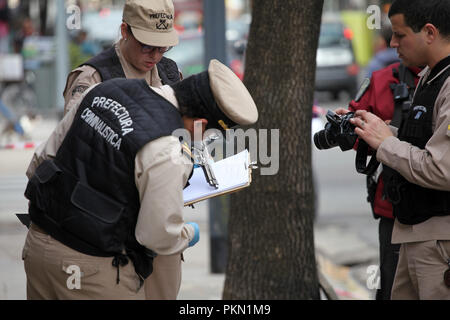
(105, 190)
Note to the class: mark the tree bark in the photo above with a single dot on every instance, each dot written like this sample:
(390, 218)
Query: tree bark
(271, 242)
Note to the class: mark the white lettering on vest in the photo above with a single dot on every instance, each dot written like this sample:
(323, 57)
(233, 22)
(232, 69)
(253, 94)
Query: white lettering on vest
(102, 129)
(118, 110)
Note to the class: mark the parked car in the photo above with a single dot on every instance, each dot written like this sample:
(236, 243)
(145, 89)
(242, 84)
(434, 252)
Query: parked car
(189, 52)
(336, 68)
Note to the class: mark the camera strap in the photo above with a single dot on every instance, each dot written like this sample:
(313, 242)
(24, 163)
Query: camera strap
(361, 159)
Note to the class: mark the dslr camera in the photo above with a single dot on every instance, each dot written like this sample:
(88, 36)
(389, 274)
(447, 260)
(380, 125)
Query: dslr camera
(338, 132)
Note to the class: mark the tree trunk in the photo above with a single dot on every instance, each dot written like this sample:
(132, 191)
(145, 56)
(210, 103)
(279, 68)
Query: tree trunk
(271, 242)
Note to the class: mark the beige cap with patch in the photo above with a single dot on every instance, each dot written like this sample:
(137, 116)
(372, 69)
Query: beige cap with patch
(231, 95)
(151, 21)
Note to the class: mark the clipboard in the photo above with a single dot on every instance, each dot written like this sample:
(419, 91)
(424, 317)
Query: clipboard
(233, 174)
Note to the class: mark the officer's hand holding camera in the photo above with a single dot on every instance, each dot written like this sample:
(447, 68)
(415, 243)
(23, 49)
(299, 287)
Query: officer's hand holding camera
(370, 128)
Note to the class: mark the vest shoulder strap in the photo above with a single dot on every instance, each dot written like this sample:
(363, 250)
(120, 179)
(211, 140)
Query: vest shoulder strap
(107, 64)
(406, 75)
(168, 71)
(402, 93)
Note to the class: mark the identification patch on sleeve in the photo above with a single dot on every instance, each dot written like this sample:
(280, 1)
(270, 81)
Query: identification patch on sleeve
(79, 89)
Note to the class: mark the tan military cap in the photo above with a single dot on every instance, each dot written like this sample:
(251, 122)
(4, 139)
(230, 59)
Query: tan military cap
(217, 95)
(151, 21)
(231, 96)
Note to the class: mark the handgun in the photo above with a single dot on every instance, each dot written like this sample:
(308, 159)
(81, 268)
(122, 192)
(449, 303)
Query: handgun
(205, 161)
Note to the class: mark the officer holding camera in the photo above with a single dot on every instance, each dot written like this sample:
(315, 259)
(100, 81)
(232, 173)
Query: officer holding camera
(419, 155)
(416, 157)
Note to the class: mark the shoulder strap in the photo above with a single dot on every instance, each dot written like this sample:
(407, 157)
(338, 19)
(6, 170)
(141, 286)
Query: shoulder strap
(406, 76)
(107, 64)
(168, 71)
(402, 92)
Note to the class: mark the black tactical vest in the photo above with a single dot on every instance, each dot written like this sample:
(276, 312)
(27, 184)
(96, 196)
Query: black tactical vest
(108, 65)
(86, 196)
(412, 203)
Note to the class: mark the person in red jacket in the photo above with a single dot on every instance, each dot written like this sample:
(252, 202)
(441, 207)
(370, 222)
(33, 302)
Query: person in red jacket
(381, 95)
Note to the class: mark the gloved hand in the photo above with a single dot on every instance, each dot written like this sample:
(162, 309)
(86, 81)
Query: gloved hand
(196, 237)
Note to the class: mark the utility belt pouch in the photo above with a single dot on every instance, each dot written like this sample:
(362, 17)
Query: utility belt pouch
(95, 218)
(142, 259)
(46, 171)
(38, 189)
(413, 204)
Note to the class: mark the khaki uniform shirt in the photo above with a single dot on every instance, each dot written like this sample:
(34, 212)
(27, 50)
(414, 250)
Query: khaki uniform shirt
(84, 77)
(161, 172)
(429, 168)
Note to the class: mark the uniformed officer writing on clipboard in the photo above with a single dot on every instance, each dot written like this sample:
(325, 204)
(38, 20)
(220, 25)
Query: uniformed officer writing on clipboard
(105, 190)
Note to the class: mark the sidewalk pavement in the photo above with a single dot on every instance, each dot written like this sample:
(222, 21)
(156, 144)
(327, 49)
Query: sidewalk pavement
(343, 250)
(335, 247)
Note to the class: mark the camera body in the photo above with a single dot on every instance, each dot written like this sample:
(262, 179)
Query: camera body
(338, 132)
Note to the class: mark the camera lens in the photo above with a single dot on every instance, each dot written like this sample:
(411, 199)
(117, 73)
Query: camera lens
(322, 140)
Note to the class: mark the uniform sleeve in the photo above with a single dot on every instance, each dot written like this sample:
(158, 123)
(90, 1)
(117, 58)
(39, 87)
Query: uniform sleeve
(78, 81)
(161, 172)
(429, 167)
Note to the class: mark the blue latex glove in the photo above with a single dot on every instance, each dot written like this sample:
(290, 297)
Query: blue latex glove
(196, 234)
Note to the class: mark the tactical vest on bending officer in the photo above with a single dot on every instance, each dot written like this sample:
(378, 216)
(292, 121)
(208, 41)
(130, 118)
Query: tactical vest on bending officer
(108, 65)
(106, 134)
(412, 203)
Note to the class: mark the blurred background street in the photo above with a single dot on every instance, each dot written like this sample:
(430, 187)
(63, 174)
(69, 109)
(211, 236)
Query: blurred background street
(33, 56)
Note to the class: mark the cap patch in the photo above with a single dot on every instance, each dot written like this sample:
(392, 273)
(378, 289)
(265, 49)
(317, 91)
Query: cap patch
(151, 21)
(162, 23)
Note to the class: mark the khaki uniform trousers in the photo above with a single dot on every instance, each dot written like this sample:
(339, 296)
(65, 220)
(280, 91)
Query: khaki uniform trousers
(420, 271)
(165, 280)
(55, 271)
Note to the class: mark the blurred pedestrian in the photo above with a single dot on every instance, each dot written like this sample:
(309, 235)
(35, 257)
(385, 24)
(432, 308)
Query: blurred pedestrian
(384, 54)
(147, 33)
(27, 30)
(106, 189)
(419, 153)
(13, 123)
(4, 26)
(381, 96)
(81, 49)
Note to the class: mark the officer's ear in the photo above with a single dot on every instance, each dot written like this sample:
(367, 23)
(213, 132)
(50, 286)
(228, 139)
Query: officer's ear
(431, 32)
(124, 31)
